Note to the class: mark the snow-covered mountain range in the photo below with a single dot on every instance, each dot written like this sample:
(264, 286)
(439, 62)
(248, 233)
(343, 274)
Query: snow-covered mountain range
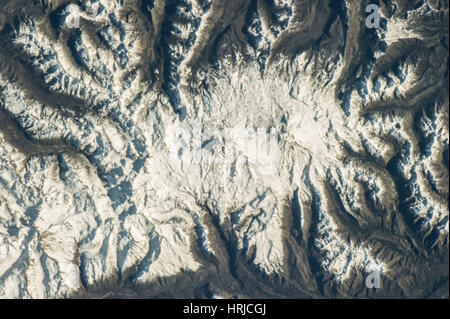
(223, 148)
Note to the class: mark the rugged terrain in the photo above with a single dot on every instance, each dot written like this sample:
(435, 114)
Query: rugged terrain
(118, 177)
